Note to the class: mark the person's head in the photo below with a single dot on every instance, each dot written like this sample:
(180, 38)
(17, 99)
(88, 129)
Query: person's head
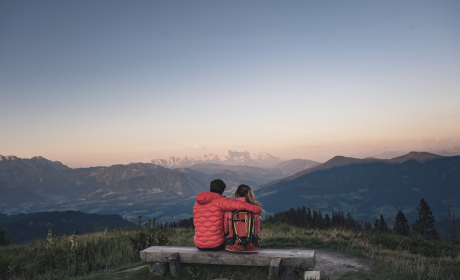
(217, 186)
(245, 191)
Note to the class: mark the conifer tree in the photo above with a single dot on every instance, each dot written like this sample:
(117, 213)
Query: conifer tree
(315, 219)
(424, 224)
(401, 225)
(3, 240)
(320, 220)
(380, 225)
(304, 217)
(349, 222)
(327, 221)
(368, 227)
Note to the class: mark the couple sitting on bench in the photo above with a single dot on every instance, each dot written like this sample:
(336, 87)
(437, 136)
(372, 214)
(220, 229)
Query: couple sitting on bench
(224, 223)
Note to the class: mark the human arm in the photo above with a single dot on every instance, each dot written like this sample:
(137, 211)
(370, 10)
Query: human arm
(228, 204)
(227, 220)
(256, 224)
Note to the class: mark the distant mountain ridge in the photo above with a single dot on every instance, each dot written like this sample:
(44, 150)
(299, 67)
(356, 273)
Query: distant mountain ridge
(447, 152)
(20, 170)
(369, 187)
(341, 161)
(39, 182)
(295, 165)
(225, 157)
(364, 187)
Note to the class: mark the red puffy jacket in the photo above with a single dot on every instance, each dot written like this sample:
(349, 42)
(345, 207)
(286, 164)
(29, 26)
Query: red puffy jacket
(208, 217)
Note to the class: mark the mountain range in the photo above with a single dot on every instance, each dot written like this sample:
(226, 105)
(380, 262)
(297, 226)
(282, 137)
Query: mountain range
(224, 157)
(364, 187)
(38, 184)
(369, 187)
(448, 152)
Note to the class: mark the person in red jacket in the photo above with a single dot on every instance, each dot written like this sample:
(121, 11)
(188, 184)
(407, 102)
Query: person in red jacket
(208, 216)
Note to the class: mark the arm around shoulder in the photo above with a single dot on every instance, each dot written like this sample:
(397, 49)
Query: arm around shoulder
(228, 204)
(257, 223)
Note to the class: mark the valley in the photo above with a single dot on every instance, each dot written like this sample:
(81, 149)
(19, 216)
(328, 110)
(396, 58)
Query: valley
(364, 187)
(37, 184)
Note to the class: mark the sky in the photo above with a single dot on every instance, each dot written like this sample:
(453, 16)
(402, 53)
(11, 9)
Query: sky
(94, 83)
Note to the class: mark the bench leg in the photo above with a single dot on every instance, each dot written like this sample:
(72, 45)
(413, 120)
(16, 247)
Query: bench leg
(158, 268)
(312, 275)
(274, 268)
(174, 264)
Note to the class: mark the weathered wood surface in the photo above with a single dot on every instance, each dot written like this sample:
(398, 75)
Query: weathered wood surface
(174, 264)
(274, 268)
(290, 258)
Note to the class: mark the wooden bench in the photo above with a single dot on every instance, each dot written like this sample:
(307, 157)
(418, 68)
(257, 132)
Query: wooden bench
(164, 257)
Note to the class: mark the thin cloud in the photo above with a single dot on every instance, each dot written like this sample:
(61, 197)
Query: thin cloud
(375, 143)
(439, 139)
(419, 140)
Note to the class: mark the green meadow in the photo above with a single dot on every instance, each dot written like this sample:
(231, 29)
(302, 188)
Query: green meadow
(104, 255)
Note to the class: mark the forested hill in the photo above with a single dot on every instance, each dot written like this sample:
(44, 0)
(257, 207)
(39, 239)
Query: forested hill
(369, 187)
(27, 227)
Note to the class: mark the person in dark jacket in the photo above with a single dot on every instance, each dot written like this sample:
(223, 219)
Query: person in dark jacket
(208, 216)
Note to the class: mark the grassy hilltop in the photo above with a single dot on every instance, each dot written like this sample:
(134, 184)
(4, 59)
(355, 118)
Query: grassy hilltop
(101, 255)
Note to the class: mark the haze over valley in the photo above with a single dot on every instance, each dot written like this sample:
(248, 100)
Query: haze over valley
(364, 187)
(38, 184)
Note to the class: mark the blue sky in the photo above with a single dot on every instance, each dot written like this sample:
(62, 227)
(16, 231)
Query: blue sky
(103, 82)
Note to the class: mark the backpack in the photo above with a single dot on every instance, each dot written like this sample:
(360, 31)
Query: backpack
(242, 230)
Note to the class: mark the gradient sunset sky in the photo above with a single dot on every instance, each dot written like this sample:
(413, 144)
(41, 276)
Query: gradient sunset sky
(102, 82)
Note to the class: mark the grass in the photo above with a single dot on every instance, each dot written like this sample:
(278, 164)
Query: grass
(104, 255)
(188, 272)
(394, 261)
(59, 257)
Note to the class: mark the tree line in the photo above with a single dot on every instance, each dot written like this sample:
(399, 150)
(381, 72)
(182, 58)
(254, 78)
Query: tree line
(423, 226)
(302, 217)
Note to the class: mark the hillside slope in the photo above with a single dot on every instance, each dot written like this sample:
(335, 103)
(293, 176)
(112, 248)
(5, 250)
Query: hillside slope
(27, 227)
(293, 166)
(369, 187)
(38, 184)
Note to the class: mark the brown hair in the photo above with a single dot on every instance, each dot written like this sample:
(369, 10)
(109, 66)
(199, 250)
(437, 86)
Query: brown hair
(245, 191)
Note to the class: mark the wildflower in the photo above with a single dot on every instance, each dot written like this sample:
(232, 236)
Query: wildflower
(49, 239)
(74, 241)
(11, 267)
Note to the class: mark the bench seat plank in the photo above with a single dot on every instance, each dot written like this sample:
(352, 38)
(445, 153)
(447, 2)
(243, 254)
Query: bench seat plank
(290, 258)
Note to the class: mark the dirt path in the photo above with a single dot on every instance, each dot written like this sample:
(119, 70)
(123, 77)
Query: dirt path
(336, 264)
(133, 269)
